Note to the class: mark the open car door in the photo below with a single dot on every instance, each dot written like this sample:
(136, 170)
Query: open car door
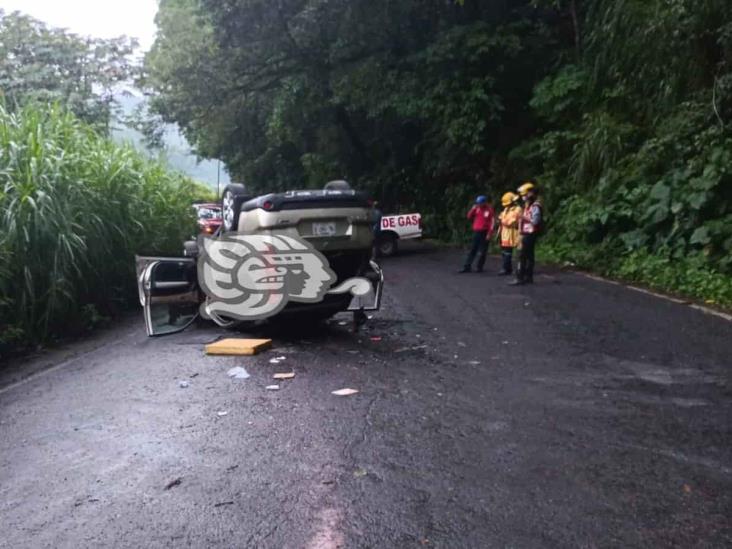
(168, 289)
(370, 301)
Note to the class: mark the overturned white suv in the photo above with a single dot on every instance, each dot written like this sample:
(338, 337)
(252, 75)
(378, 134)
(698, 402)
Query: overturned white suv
(302, 255)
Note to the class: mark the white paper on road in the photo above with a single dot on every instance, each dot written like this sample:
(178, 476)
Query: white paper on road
(345, 392)
(238, 373)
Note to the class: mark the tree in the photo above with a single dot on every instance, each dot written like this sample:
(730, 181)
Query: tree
(389, 94)
(38, 63)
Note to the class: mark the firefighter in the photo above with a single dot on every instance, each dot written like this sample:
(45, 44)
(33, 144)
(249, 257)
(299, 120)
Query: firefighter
(482, 216)
(530, 226)
(508, 235)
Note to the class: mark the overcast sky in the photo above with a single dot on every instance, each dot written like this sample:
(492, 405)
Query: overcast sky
(99, 18)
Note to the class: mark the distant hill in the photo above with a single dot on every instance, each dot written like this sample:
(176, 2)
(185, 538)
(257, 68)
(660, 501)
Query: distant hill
(177, 153)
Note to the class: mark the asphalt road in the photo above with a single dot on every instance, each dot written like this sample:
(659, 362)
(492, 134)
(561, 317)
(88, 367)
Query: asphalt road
(573, 413)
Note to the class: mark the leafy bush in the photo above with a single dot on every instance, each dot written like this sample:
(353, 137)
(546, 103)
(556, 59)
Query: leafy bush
(74, 210)
(636, 156)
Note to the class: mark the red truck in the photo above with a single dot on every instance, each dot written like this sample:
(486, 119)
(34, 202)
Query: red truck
(208, 217)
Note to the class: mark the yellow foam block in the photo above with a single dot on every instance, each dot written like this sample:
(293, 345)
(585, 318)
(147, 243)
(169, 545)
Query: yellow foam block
(233, 346)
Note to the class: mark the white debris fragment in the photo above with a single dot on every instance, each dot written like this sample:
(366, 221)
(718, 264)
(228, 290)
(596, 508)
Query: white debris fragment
(413, 348)
(221, 413)
(284, 375)
(238, 373)
(462, 344)
(277, 359)
(272, 387)
(183, 384)
(345, 392)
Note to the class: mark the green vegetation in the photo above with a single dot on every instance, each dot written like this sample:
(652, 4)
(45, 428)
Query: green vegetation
(74, 210)
(42, 64)
(620, 110)
(74, 207)
(636, 151)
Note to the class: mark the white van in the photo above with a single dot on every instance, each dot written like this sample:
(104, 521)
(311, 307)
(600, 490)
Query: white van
(398, 227)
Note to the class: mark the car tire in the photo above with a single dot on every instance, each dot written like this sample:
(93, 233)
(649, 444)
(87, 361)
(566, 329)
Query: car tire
(232, 198)
(387, 245)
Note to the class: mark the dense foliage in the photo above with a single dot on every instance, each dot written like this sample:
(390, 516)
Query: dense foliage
(619, 109)
(42, 64)
(74, 210)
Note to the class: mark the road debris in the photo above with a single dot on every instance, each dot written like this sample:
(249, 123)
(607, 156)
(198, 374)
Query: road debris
(375, 338)
(413, 348)
(462, 344)
(277, 359)
(222, 413)
(235, 346)
(358, 473)
(473, 362)
(345, 392)
(222, 503)
(183, 384)
(193, 375)
(89, 500)
(284, 375)
(272, 387)
(174, 482)
(238, 373)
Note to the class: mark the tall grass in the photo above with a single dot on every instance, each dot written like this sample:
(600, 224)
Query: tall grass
(74, 209)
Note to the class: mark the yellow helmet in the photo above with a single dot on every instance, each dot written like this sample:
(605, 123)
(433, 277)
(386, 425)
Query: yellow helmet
(507, 198)
(525, 188)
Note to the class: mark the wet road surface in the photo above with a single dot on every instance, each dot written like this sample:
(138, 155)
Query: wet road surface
(573, 413)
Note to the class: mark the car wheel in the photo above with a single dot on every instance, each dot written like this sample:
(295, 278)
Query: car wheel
(388, 245)
(231, 201)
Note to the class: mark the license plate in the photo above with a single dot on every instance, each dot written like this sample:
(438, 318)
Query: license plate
(324, 229)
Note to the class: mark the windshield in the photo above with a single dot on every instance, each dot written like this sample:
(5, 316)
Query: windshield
(209, 213)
